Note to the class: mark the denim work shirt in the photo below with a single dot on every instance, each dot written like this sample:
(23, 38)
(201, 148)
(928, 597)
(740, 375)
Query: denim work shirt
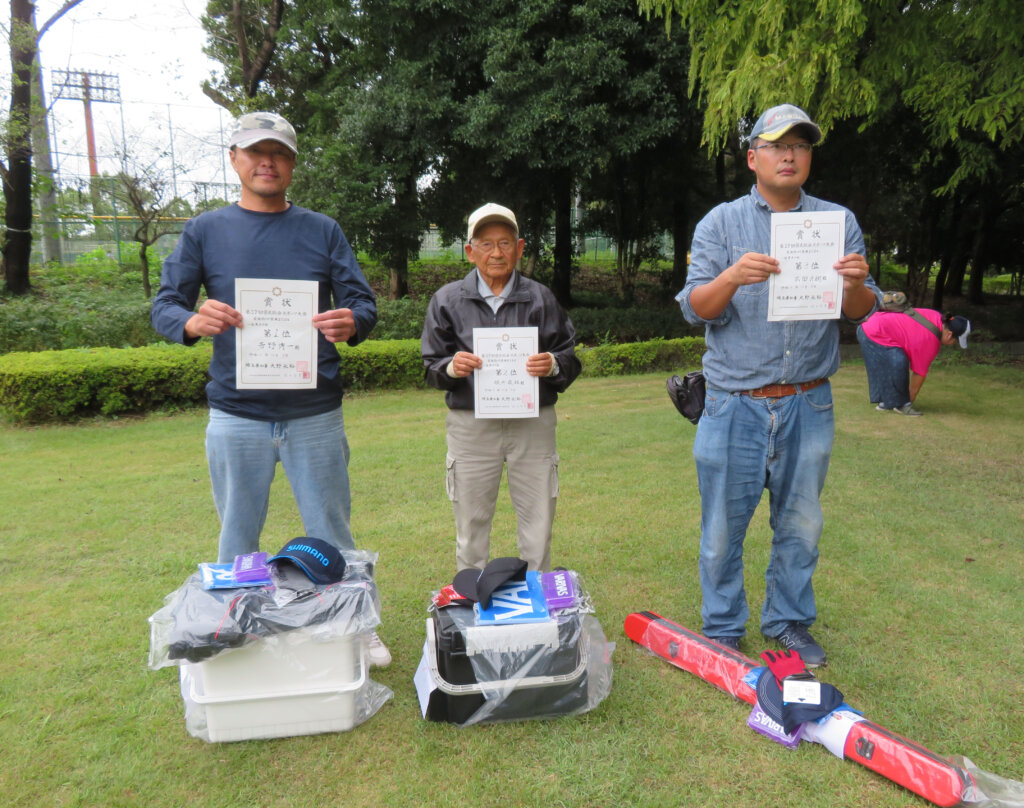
(744, 350)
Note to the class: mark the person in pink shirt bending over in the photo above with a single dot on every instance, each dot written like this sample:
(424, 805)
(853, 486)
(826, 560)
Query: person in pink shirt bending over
(894, 343)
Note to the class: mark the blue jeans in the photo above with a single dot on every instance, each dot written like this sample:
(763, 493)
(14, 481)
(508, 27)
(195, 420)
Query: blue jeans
(743, 446)
(243, 455)
(888, 372)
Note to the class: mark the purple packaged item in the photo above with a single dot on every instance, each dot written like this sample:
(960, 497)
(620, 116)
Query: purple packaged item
(759, 721)
(559, 589)
(251, 567)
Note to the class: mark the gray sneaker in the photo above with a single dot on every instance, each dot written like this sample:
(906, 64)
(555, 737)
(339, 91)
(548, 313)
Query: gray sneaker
(797, 638)
(732, 643)
(906, 409)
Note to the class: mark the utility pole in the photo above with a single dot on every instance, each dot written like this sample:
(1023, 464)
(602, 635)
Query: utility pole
(84, 86)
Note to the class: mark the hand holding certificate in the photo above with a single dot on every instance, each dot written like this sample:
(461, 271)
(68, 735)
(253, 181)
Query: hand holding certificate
(276, 349)
(503, 386)
(807, 244)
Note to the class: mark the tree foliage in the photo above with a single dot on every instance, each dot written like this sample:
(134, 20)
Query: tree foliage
(928, 94)
(413, 113)
(243, 37)
(369, 87)
(955, 64)
(16, 172)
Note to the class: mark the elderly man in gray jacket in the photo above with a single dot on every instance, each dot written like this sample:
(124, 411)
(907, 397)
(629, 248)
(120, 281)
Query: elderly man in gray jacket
(494, 294)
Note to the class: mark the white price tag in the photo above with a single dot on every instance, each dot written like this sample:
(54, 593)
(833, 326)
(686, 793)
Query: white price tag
(801, 691)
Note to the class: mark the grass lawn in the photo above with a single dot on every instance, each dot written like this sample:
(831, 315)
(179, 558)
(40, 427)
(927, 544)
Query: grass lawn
(919, 592)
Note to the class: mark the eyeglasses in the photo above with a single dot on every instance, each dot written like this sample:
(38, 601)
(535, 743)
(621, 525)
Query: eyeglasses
(487, 247)
(779, 149)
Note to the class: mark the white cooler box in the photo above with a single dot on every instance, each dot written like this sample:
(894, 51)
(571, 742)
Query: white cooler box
(289, 684)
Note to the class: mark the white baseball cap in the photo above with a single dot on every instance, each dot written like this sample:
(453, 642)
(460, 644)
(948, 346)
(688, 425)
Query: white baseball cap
(490, 213)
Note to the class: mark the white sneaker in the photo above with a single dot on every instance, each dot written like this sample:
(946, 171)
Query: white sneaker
(380, 656)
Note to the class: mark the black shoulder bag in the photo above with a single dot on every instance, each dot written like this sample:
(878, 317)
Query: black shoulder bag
(687, 393)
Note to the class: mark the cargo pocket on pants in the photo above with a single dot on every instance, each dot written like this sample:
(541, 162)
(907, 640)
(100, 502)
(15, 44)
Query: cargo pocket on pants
(554, 476)
(449, 477)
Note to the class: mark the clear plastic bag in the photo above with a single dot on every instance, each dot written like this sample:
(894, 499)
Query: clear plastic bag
(196, 624)
(485, 673)
(276, 661)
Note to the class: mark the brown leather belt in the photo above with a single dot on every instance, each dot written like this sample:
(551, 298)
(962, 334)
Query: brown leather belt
(781, 390)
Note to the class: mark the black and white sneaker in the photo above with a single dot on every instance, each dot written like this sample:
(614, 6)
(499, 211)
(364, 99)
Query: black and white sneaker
(797, 638)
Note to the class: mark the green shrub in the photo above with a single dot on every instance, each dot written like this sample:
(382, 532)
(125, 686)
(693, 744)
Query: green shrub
(78, 320)
(61, 385)
(642, 357)
(64, 385)
(399, 319)
(630, 325)
(382, 364)
(403, 319)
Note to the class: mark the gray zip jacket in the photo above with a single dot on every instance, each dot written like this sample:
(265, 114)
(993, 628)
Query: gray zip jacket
(457, 308)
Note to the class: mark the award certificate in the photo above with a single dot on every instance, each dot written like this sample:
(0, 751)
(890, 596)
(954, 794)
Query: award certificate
(502, 386)
(807, 244)
(276, 347)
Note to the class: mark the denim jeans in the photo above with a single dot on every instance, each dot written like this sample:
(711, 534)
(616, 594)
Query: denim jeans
(888, 370)
(243, 455)
(744, 445)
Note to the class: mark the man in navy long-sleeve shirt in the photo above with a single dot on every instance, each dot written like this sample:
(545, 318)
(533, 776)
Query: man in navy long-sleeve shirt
(264, 236)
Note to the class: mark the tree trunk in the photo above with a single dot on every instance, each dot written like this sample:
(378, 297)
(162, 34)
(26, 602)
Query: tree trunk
(950, 241)
(398, 274)
(561, 281)
(940, 283)
(44, 169)
(17, 178)
(957, 272)
(680, 241)
(980, 259)
(406, 214)
(144, 261)
(626, 263)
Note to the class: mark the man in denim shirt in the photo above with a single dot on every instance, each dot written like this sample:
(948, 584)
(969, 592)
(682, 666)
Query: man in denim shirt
(768, 419)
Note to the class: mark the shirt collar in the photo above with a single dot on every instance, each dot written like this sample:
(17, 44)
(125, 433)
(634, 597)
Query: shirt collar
(485, 290)
(762, 202)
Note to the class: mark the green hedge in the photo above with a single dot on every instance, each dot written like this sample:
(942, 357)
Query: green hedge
(65, 385)
(630, 325)
(84, 320)
(403, 319)
(382, 365)
(62, 385)
(642, 357)
(77, 321)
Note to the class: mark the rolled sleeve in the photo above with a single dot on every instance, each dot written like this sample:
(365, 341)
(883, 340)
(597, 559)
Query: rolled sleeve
(709, 257)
